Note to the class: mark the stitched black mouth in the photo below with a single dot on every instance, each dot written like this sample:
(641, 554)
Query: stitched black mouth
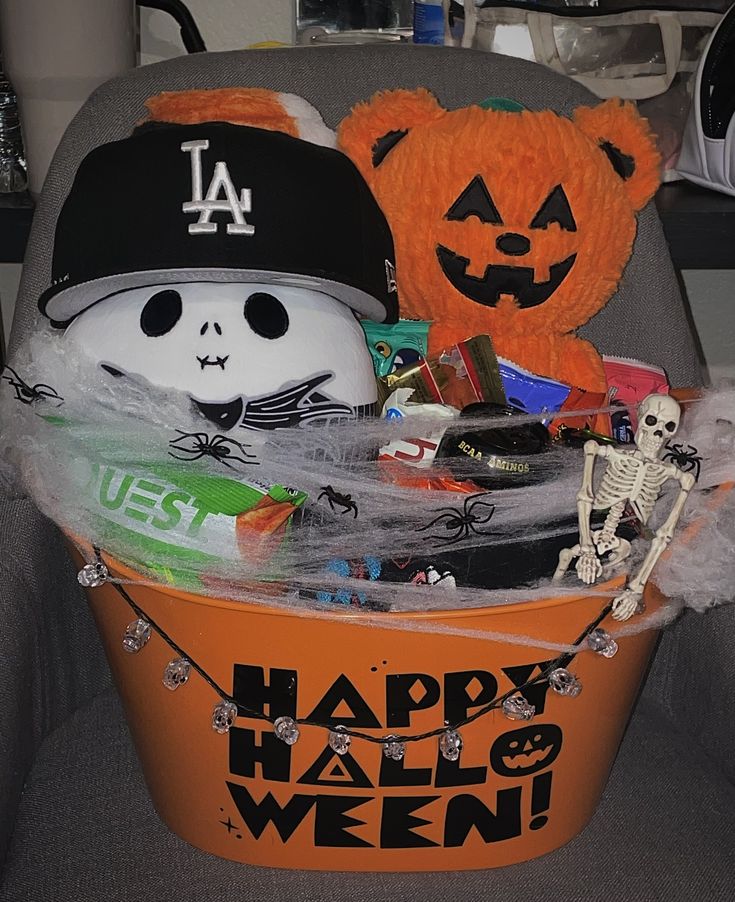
(500, 279)
(218, 361)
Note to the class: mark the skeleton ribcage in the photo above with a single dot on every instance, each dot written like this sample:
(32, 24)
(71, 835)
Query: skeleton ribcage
(628, 478)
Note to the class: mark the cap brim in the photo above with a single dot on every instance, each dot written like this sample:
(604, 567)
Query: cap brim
(61, 304)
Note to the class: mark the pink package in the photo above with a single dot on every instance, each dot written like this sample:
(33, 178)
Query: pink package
(628, 383)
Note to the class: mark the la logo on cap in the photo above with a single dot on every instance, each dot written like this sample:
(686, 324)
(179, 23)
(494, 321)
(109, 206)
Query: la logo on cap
(210, 203)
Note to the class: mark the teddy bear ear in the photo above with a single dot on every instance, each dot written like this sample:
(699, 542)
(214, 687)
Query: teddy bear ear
(374, 128)
(625, 137)
(257, 107)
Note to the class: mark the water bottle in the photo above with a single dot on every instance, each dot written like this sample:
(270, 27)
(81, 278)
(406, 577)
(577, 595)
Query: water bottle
(428, 22)
(13, 176)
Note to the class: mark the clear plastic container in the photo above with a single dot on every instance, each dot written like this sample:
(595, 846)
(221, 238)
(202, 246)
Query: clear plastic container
(13, 176)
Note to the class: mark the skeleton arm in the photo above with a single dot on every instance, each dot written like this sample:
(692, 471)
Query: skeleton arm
(626, 604)
(585, 496)
(588, 565)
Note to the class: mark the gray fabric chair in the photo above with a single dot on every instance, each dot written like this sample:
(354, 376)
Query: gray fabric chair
(76, 822)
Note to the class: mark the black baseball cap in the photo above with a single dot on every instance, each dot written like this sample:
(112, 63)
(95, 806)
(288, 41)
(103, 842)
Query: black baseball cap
(220, 202)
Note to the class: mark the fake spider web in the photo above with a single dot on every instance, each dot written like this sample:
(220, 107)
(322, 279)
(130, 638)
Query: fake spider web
(331, 555)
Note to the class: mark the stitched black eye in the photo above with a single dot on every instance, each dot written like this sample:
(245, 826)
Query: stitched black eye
(670, 426)
(161, 313)
(266, 315)
(475, 200)
(650, 420)
(555, 209)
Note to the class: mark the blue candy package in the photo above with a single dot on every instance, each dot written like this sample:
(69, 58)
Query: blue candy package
(531, 393)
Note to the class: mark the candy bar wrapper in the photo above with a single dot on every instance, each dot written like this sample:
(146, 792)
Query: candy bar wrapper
(465, 374)
(261, 529)
(531, 393)
(416, 452)
(582, 400)
(628, 383)
(475, 361)
(396, 345)
(433, 480)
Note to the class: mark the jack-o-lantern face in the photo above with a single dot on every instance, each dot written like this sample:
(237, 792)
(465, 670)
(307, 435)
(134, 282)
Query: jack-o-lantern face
(516, 281)
(526, 751)
(520, 218)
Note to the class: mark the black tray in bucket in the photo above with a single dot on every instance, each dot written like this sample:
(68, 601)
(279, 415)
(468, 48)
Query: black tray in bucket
(501, 564)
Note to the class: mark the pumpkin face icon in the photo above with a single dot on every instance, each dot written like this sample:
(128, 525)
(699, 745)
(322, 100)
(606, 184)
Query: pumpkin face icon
(526, 751)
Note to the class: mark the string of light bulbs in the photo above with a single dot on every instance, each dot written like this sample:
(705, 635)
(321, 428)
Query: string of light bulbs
(513, 702)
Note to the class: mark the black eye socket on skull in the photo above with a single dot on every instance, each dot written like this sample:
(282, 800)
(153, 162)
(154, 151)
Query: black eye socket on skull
(670, 426)
(161, 313)
(266, 315)
(650, 420)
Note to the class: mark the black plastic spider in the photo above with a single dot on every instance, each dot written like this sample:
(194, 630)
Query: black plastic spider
(30, 394)
(687, 460)
(462, 522)
(219, 447)
(339, 499)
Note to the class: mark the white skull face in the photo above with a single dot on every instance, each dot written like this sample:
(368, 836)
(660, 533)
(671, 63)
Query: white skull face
(658, 420)
(224, 343)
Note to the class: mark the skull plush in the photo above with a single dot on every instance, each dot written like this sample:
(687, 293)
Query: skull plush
(223, 343)
(658, 420)
(227, 262)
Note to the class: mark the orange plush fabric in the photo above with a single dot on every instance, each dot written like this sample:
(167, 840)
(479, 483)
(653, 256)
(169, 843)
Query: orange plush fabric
(518, 224)
(240, 106)
(254, 107)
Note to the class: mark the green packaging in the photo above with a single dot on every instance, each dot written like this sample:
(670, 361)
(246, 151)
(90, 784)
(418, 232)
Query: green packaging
(398, 345)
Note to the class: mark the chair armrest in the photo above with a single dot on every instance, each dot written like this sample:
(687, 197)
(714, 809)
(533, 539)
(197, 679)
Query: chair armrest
(52, 660)
(693, 679)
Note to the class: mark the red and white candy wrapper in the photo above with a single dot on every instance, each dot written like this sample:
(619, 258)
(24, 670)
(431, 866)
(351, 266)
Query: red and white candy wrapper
(417, 452)
(628, 383)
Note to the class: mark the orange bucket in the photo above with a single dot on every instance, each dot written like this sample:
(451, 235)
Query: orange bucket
(519, 789)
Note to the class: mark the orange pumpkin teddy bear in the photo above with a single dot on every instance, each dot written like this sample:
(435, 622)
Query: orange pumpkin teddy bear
(516, 224)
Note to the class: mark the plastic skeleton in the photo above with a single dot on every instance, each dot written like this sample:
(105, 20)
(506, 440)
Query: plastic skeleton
(632, 477)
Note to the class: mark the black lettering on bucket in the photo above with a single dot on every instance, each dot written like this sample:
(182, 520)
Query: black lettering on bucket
(397, 822)
(257, 815)
(521, 755)
(273, 755)
(342, 769)
(466, 812)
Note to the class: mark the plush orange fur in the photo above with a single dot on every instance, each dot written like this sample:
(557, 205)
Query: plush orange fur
(257, 107)
(521, 157)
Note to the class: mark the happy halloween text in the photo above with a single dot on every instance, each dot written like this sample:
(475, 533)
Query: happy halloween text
(510, 776)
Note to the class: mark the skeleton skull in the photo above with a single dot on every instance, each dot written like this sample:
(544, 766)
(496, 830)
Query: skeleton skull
(658, 420)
